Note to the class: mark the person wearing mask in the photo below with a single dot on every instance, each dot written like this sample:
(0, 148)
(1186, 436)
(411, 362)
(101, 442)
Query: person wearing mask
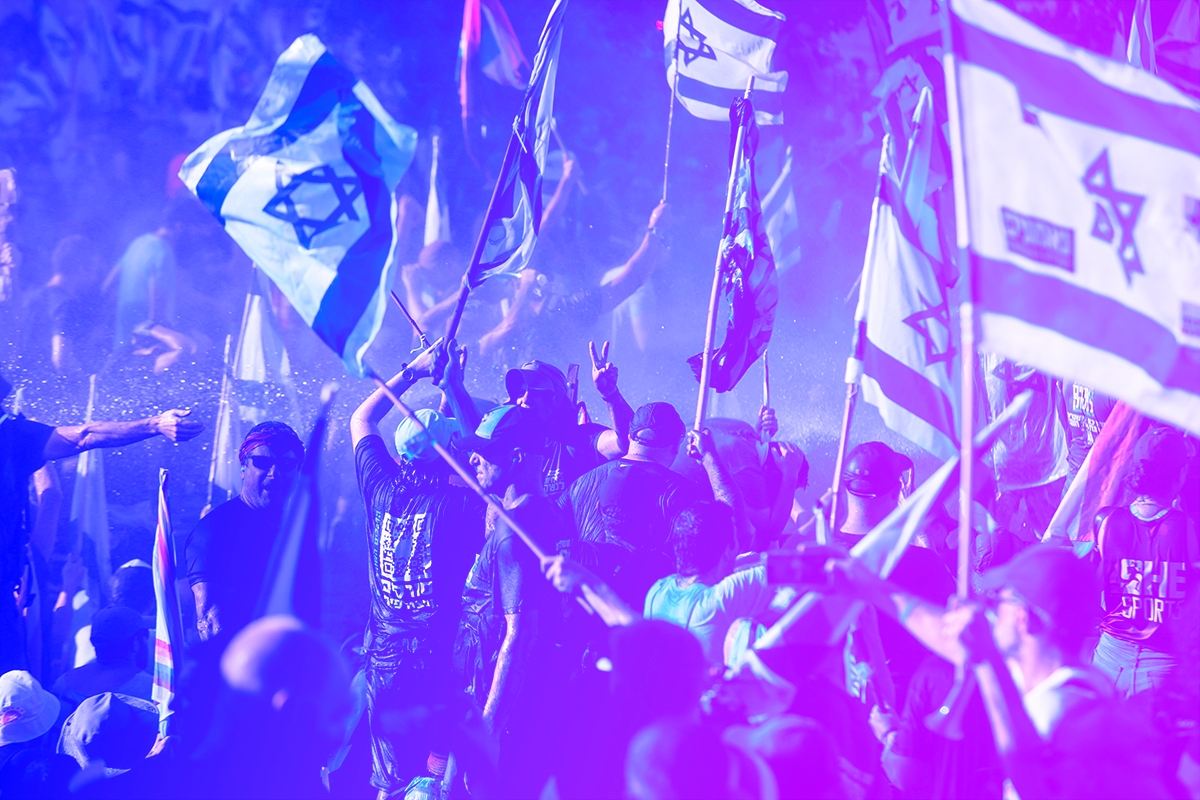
(229, 549)
(119, 638)
(1147, 555)
(704, 596)
(423, 533)
(25, 446)
(571, 448)
(504, 650)
(874, 477)
(623, 510)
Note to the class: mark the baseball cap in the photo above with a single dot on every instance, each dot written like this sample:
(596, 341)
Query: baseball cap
(26, 709)
(657, 425)
(534, 375)
(116, 624)
(116, 728)
(1162, 445)
(1053, 580)
(417, 445)
(873, 468)
(505, 426)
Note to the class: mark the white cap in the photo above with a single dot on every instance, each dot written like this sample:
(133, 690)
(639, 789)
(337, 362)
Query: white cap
(26, 709)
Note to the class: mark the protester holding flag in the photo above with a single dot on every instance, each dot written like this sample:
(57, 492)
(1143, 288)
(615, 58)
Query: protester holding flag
(423, 536)
(228, 551)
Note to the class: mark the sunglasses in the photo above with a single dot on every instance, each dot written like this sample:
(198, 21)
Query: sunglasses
(265, 463)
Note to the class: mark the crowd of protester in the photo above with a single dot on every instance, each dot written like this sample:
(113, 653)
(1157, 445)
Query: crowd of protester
(626, 628)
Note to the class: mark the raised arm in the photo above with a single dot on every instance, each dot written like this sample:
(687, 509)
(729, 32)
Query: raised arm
(701, 447)
(613, 443)
(644, 260)
(70, 440)
(496, 337)
(365, 420)
(452, 365)
(557, 206)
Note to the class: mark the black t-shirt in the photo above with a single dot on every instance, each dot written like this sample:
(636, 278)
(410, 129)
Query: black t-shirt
(623, 512)
(507, 579)
(570, 455)
(22, 443)
(1087, 411)
(921, 572)
(53, 311)
(422, 537)
(229, 550)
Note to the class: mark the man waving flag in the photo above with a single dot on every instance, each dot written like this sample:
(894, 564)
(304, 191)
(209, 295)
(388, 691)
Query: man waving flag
(904, 355)
(715, 46)
(306, 188)
(1082, 196)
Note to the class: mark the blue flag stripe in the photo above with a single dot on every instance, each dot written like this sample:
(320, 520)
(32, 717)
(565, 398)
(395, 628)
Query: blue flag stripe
(1064, 88)
(325, 85)
(1092, 319)
(357, 279)
(909, 389)
(767, 102)
(739, 16)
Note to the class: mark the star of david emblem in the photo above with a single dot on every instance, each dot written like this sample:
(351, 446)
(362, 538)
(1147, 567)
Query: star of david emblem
(697, 50)
(920, 322)
(344, 189)
(1116, 214)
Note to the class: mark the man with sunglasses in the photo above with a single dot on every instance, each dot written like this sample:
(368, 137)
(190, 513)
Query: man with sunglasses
(229, 549)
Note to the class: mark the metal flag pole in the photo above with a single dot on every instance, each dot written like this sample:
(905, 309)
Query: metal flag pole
(671, 113)
(710, 331)
(416, 328)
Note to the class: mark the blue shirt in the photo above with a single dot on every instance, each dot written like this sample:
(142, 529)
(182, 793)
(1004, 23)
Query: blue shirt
(148, 264)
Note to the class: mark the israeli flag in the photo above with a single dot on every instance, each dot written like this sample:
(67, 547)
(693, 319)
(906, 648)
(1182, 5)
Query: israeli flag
(515, 214)
(306, 189)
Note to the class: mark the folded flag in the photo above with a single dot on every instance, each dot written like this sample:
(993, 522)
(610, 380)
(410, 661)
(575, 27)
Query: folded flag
(492, 49)
(783, 223)
(168, 625)
(1177, 51)
(437, 216)
(904, 353)
(262, 371)
(749, 283)
(1140, 52)
(306, 188)
(715, 47)
(514, 216)
(224, 473)
(1083, 212)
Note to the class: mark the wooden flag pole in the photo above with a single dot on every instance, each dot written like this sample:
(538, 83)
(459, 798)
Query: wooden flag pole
(671, 113)
(711, 329)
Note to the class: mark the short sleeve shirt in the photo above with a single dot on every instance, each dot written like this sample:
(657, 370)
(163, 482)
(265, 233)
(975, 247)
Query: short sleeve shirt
(422, 537)
(708, 611)
(1146, 577)
(148, 261)
(569, 456)
(22, 443)
(1087, 411)
(507, 579)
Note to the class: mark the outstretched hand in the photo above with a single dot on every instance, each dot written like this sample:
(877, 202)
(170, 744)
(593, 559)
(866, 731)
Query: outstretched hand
(604, 373)
(700, 444)
(175, 426)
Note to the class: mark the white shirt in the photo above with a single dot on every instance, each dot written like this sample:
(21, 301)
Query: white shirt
(708, 611)
(1049, 700)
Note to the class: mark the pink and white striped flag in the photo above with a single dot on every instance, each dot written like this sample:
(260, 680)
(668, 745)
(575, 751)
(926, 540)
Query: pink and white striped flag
(168, 628)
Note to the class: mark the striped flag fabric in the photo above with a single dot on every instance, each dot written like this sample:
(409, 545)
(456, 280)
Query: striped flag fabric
(89, 501)
(783, 223)
(492, 49)
(306, 188)
(514, 216)
(905, 357)
(168, 625)
(749, 283)
(1082, 212)
(1140, 51)
(716, 46)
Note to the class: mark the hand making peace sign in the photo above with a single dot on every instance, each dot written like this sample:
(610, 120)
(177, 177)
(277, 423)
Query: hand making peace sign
(604, 374)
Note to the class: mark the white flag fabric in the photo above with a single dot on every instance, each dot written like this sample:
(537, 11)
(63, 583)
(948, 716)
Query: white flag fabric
(1083, 212)
(306, 188)
(89, 503)
(1177, 52)
(262, 372)
(1140, 52)
(722, 43)
(905, 358)
(224, 477)
(782, 221)
(437, 216)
